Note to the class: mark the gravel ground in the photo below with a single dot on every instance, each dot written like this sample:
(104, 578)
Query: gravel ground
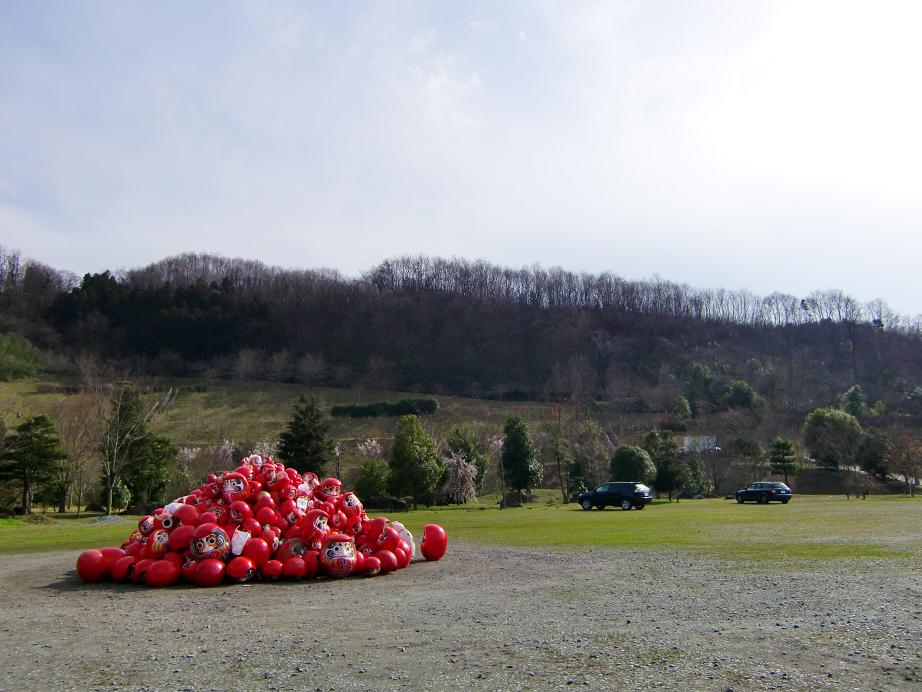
(492, 618)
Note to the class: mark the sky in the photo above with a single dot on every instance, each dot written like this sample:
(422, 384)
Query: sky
(773, 146)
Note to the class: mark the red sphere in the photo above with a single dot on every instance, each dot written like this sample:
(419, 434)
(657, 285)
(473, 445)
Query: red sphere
(371, 566)
(251, 526)
(111, 555)
(139, 575)
(208, 517)
(162, 573)
(388, 560)
(312, 564)
(134, 548)
(180, 536)
(294, 568)
(258, 551)
(175, 558)
(241, 569)
(123, 567)
(265, 515)
(188, 570)
(271, 570)
(209, 572)
(434, 543)
(187, 515)
(92, 566)
(402, 558)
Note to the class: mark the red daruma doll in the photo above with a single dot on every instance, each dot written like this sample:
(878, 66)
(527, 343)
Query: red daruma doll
(434, 543)
(338, 555)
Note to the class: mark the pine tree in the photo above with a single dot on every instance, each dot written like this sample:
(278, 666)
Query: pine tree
(416, 469)
(31, 456)
(304, 444)
(520, 458)
(783, 457)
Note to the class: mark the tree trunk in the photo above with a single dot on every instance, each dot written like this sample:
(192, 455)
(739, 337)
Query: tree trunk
(109, 498)
(26, 497)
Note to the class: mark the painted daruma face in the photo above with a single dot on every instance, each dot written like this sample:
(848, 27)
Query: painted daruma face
(338, 555)
(235, 487)
(212, 543)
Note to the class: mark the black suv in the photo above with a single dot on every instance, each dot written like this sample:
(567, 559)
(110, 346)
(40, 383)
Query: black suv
(764, 492)
(623, 495)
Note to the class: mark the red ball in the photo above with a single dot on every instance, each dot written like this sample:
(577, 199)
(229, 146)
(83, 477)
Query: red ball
(257, 550)
(187, 514)
(294, 568)
(180, 536)
(312, 561)
(139, 575)
(175, 558)
(162, 573)
(402, 558)
(388, 560)
(271, 570)
(111, 555)
(251, 526)
(188, 570)
(134, 548)
(241, 569)
(359, 562)
(208, 517)
(266, 515)
(123, 567)
(209, 572)
(406, 548)
(371, 566)
(434, 543)
(92, 566)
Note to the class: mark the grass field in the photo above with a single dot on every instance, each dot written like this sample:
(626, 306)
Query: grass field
(809, 528)
(205, 412)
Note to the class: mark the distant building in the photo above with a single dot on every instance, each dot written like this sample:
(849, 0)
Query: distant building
(698, 443)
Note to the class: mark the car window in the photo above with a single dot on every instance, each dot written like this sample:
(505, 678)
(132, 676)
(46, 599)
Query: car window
(640, 487)
(602, 488)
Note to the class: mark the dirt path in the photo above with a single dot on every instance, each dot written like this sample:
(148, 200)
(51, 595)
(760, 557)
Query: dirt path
(485, 617)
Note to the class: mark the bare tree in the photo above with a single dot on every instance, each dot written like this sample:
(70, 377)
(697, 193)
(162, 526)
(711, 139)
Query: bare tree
(120, 418)
(906, 460)
(78, 438)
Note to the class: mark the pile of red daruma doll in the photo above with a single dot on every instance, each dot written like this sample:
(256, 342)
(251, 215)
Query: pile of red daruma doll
(261, 520)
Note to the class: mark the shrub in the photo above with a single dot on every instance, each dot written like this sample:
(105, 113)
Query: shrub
(372, 480)
(404, 407)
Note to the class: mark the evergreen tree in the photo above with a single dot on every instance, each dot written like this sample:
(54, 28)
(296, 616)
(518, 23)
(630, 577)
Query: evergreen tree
(30, 456)
(783, 457)
(304, 444)
(832, 436)
(416, 469)
(632, 463)
(520, 458)
(148, 470)
(661, 447)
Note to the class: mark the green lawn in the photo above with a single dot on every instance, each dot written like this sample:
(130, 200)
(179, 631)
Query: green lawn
(808, 528)
(61, 533)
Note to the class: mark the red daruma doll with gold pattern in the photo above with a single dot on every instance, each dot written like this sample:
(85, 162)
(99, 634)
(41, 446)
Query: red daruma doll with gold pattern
(338, 555)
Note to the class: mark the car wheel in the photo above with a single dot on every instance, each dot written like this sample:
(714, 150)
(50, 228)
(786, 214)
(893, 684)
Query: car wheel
(784, 502)
(763, 499)
(640, 505)
(626, 505)
(587, 504)
(739, 500)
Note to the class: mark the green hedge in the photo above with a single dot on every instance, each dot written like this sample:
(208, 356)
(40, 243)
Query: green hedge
(386, 408)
